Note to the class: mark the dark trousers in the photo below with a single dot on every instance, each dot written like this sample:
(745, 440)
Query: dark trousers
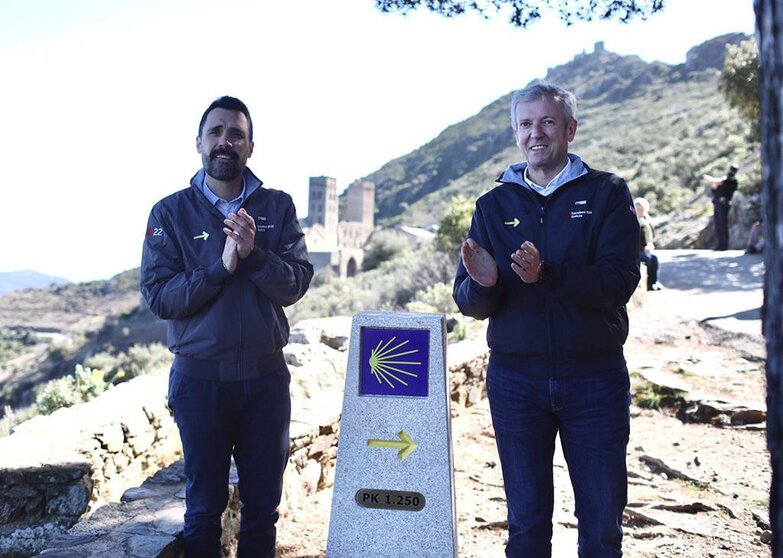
(651, 261)
(591, 413)
(721, 212)
(248, 420)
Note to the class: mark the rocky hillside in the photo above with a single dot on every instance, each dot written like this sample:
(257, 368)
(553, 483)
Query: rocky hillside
(45, 332)
(660, 126)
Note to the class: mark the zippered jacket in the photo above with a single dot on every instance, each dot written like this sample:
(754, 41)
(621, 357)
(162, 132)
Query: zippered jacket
(223, 326)
(573, 321)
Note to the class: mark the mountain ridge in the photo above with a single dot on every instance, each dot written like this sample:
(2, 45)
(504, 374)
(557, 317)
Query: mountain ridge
(467, 156)
(26, 279)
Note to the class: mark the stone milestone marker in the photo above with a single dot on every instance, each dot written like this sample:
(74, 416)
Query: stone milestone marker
(394, 483)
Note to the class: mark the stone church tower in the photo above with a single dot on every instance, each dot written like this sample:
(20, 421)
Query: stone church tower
(360, 203)
(323, 205)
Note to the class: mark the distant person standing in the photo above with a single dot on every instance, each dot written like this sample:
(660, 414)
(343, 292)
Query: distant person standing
(646, 245)
(552, 258)
(723, 189)
(221, 258)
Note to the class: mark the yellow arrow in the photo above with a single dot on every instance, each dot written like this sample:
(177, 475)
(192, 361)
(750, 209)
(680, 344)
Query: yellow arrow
(513, 223)
(406, 445)
(204, 235)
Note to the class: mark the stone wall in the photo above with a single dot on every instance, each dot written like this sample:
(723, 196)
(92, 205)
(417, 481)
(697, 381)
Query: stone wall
(55, 469)
(147, 522)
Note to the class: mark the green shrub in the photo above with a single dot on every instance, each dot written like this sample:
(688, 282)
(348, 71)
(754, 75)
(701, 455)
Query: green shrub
(146, 359)
(139, 360)
(322, 277)
(383, 246)
(654, 396)
(434, 298)
(84, 384)
(454, 226)
(391, 286)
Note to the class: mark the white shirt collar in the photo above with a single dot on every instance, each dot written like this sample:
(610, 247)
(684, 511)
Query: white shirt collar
(554, 184)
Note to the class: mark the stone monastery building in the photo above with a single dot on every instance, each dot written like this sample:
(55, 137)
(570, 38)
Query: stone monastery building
(332, 242)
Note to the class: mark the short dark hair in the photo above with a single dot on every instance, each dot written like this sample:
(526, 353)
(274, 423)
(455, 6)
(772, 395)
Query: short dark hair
(228, 103)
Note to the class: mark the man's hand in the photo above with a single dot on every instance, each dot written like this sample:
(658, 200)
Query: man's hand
(526, 262)
(241, 228)
(230, 256)
(713, 180)
(479, 264)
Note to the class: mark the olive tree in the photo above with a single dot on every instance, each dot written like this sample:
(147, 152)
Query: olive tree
(739, 82)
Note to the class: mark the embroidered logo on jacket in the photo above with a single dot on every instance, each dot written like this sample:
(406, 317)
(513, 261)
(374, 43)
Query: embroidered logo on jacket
(203, 236)
(263, 227)
(513, 222)
(580, 213)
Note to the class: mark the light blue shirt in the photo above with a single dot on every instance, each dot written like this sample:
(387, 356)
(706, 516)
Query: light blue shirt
(225, 207)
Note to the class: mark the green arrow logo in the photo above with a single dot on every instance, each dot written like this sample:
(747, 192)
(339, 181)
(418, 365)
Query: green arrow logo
(513, 223)
(203, 236)
(406, 445)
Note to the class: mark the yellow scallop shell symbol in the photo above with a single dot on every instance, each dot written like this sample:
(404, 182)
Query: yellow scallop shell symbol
(385, 363)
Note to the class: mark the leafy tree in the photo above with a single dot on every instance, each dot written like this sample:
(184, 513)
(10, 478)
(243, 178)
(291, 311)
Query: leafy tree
(524, 12)
(453, 228)
(739, 82)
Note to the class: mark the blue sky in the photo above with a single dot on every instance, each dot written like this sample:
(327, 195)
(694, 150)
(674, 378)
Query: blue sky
(102, 99)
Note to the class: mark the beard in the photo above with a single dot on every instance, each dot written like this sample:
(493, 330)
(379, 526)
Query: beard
(223, 169)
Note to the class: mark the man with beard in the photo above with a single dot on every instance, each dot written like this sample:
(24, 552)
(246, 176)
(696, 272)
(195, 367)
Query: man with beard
(220, 260)
(551, 258)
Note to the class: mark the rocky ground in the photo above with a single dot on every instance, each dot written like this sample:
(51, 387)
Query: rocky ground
(695, 488)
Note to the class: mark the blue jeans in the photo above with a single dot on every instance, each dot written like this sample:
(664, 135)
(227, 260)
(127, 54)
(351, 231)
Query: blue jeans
(249, 420)
(592, 415)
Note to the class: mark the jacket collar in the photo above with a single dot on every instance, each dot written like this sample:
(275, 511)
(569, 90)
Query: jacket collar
(252, 182)
(515, 174)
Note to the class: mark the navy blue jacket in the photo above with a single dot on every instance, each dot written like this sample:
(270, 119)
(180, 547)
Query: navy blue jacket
(574, 320)
(227, 327)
